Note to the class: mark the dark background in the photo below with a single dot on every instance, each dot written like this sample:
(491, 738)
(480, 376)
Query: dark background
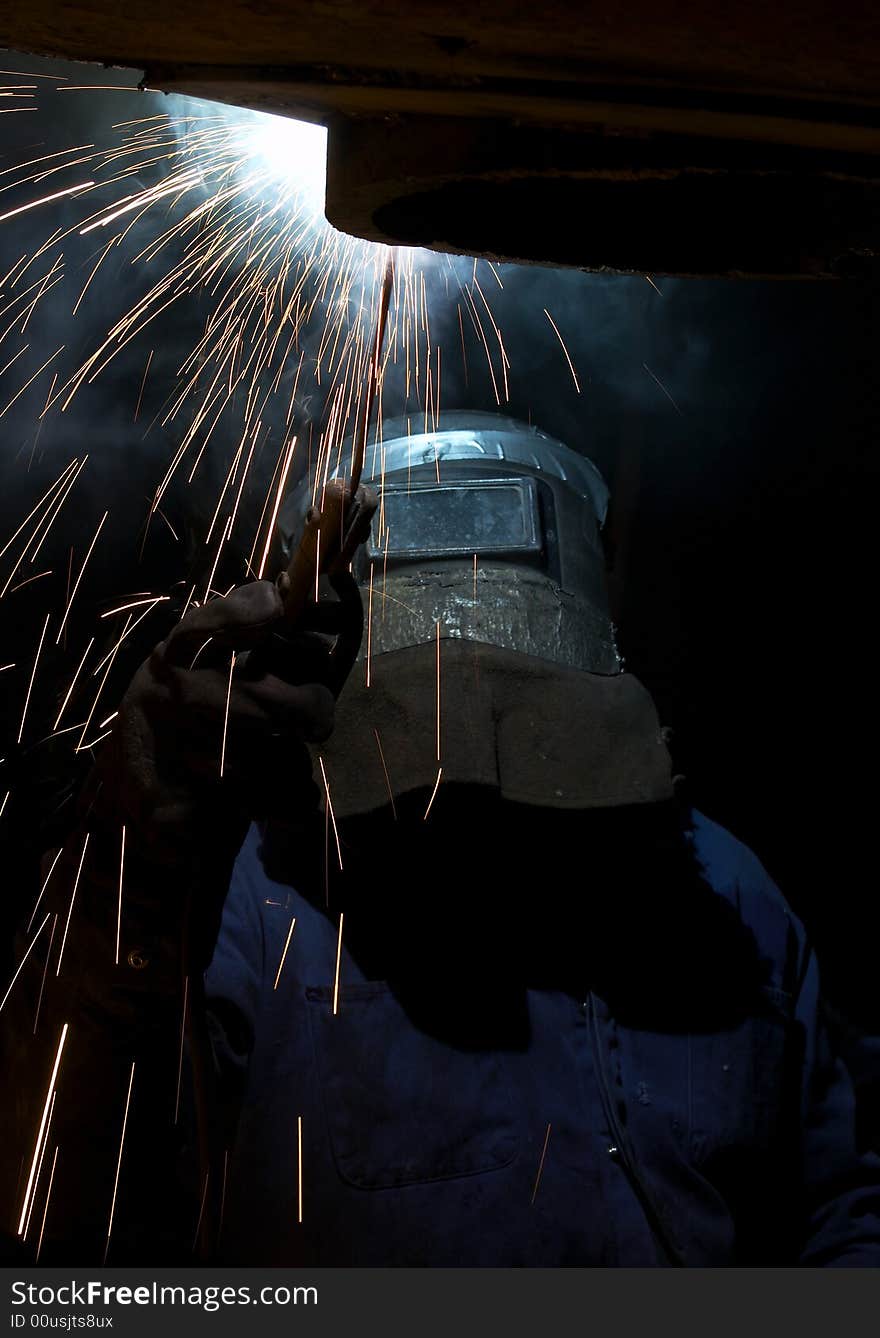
(746, 524)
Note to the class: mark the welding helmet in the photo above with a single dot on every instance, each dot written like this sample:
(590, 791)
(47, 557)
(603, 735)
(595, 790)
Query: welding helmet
(489, 528)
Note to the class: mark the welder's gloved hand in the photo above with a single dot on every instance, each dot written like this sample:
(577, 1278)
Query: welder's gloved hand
(198, 751)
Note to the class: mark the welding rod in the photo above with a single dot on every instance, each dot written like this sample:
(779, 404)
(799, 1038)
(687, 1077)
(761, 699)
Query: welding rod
(333, 532)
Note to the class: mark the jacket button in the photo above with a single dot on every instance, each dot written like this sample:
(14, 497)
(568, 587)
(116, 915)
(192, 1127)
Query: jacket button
(614, 1152)
(137, 960)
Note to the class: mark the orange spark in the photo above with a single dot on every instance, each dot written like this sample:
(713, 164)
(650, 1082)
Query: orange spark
(433, 794)
(201, 1211)
(29, 382)
(72, 898)
(284, 953)
(385, 570)
(223, 1191)
(541, 1163)
(23, 349)
(338, 960)
(226, 714)
(49, 1094)
(27, 1225)
(119, 906)
(22, 584)
(72, 683)
(564, 349)
(101, 260)
(23, 960)
(438, 692)
(119, 1162)
(45, 970)
(48, 493)
(299, 1168)
(33, 675)
(52, 512)
(656, 378)
(46, 199)
(127, 631)
(46, 1206)
(180, 1056)
(385, 769)
(43, 889)
(330, 811)
(370, 626)
(80, 576)
(278, 496)
(112, 657)
(142, 384)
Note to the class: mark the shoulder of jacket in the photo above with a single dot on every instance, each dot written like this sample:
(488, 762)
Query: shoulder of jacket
(734, 871)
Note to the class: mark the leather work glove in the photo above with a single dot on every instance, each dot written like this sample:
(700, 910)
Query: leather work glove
(194, 732)
(203, 747)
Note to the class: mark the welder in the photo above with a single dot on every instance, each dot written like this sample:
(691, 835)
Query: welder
(441, 970)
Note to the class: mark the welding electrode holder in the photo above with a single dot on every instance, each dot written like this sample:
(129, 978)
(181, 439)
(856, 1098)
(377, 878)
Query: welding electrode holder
(331, 536)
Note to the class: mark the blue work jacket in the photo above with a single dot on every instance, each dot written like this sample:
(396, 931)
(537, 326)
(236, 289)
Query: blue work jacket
(597, 1138)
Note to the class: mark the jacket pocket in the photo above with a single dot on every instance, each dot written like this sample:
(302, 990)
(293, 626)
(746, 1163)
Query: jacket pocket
(401, 1107)
(739, 1083)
